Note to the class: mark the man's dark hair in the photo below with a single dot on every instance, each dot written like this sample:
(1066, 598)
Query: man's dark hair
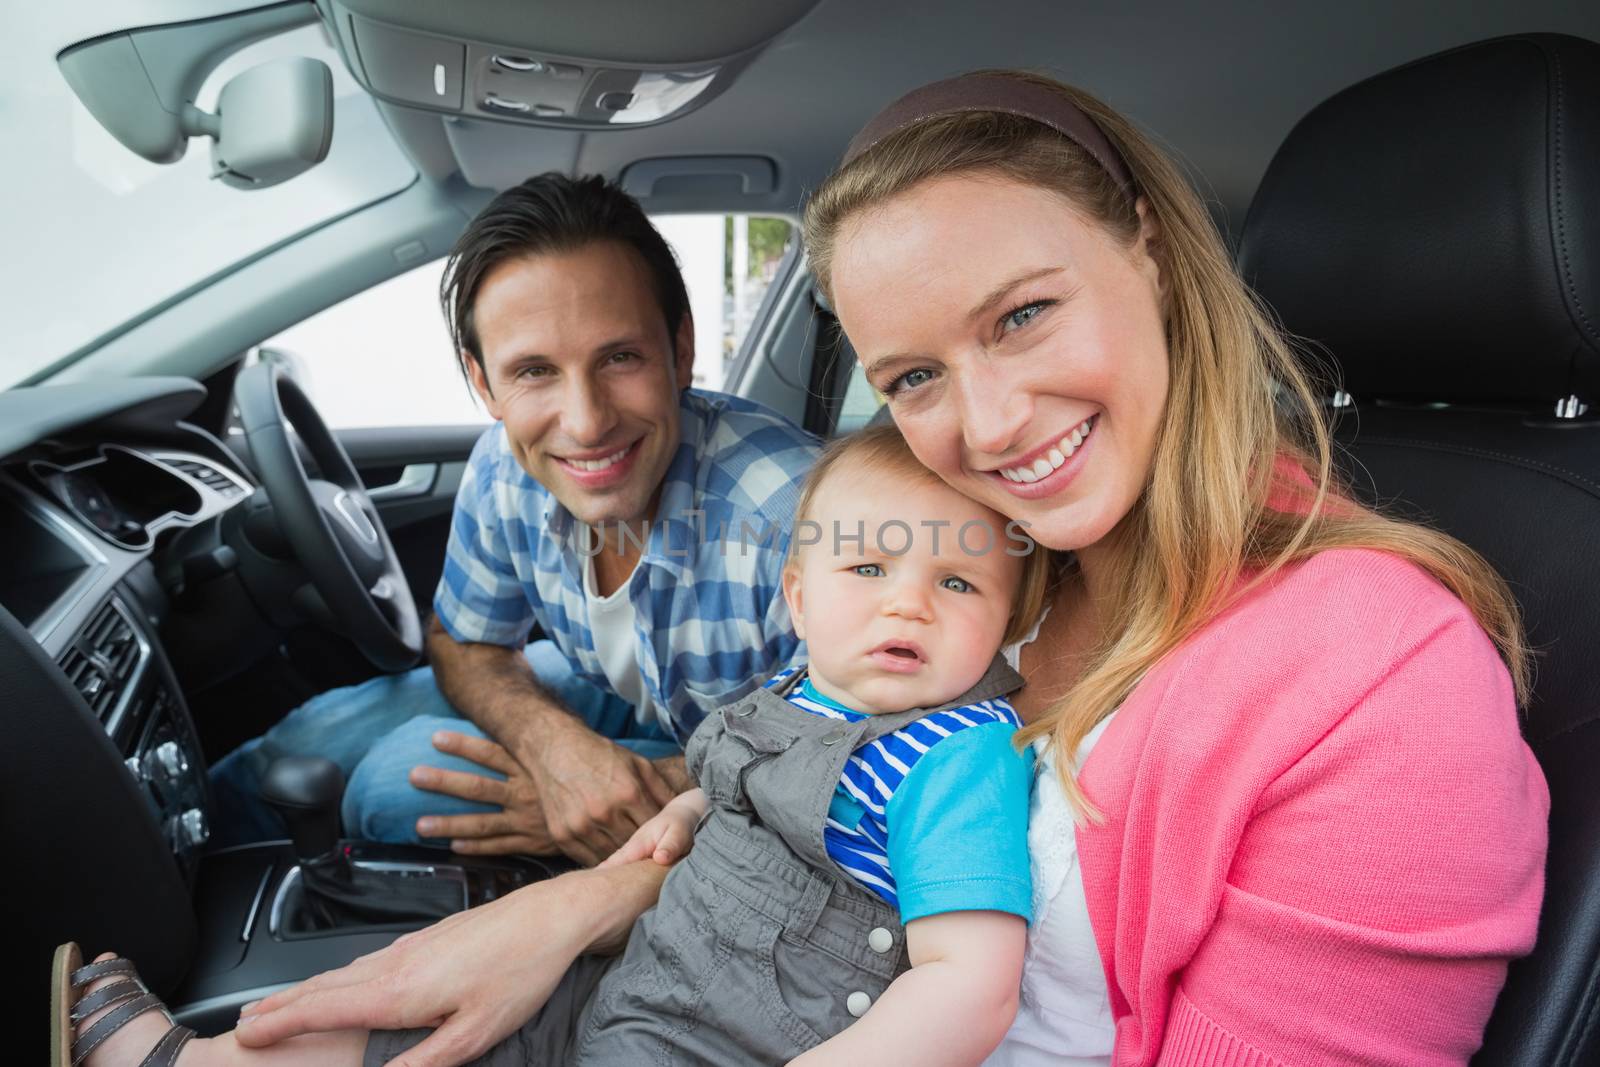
(553, 213)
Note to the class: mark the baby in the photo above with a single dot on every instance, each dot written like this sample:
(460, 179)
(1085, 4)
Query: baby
(904, 591)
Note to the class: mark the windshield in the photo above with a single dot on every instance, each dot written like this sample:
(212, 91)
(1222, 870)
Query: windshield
(97, 237)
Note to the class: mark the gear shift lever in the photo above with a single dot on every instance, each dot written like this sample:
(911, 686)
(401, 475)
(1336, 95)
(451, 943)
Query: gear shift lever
(306, 791)
(333, 892)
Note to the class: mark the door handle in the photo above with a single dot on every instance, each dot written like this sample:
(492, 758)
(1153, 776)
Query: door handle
(415, 480)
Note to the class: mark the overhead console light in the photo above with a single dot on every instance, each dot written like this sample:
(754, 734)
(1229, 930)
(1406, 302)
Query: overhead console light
(612, 63)
(658, 96)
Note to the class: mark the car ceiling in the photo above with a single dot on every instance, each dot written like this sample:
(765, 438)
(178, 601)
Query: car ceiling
(1220, 83)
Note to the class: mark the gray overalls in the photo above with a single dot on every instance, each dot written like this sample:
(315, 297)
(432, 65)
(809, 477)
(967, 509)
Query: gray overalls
(760, 946)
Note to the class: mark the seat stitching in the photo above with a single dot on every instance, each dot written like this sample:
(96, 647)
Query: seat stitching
(1558, 473)
(1545, 739)
(1561, 215)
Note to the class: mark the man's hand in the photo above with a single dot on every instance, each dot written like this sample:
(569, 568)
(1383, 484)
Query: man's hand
(593, 792)
(519, 826)
(475, 976)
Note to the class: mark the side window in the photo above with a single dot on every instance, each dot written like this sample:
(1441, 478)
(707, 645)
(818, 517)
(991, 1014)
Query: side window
(842, 400)
(383, 357)
(861, 402)
(728, 261)
(380, 358)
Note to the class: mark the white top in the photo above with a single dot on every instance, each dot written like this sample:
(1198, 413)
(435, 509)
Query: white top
(1064, 1014)
(611, 622)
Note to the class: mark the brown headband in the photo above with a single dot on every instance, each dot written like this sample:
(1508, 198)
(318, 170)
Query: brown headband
(994, 92)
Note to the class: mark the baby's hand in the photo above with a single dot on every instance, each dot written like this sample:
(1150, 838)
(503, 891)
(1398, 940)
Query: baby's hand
(667, 837)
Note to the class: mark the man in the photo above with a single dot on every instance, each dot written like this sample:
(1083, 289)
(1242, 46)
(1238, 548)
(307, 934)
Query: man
(641, 525)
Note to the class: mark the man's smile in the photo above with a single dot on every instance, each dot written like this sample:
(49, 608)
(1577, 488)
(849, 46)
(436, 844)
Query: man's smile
(600, 469)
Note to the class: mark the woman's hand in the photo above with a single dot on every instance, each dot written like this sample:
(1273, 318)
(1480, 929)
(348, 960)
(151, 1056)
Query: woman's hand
(667, 837)
(475, 977)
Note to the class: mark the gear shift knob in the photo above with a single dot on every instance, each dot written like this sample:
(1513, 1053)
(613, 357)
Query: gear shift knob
(306, 791)
(333, 892)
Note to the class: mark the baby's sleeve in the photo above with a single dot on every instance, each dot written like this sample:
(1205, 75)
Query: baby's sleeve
(958, 827)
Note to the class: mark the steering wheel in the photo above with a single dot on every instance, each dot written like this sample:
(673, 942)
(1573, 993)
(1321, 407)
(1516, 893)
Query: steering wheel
(329, 523)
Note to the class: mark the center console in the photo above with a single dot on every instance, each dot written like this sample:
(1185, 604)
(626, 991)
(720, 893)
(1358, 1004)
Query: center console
(113, 665)
(249, 944)
(271, 915)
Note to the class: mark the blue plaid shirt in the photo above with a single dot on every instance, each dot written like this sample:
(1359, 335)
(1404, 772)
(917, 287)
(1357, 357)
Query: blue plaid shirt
(710, 617)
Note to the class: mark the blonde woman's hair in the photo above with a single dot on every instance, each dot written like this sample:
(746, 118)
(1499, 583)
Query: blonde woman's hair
(1241, 483)
(883, 448)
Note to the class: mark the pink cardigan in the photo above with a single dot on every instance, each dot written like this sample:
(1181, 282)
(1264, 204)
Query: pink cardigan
(1324, 835)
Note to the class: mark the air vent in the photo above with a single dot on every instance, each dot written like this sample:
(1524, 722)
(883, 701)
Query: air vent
(208, 476)
(102, 659)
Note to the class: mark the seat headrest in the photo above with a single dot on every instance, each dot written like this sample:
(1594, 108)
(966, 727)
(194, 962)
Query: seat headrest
(1437, 227)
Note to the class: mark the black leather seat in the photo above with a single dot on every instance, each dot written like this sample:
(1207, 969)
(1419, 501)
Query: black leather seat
(1436, 231)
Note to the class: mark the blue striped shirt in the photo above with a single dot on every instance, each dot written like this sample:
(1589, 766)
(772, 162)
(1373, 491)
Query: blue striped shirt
(930, 835)
(710, 618)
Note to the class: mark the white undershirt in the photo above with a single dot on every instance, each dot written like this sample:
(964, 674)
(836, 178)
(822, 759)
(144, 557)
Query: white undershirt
(612, 621)
(1064, 1013)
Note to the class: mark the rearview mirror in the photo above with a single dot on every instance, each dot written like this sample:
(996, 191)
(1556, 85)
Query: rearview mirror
(273, 121)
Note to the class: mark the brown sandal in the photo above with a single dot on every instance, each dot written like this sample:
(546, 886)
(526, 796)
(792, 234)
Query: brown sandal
(68, 1009)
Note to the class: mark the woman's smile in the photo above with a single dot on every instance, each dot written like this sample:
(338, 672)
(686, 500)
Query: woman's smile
(1047, 469)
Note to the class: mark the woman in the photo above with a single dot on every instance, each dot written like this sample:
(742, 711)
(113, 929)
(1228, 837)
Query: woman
(1307, 828)
(1276, 853)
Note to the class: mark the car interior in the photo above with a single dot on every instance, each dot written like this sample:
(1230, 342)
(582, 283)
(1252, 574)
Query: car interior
(191, 549)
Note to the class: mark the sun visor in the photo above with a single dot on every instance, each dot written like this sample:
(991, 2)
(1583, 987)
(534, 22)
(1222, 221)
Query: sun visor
(601, 64)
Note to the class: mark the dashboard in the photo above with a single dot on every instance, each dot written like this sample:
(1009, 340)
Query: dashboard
(65, 521)
(123, 494)
(99, 488)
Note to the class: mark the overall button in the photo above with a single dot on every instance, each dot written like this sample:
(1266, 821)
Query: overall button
(746, 711)
(857, 1004)
(833, 737)
(880, 940)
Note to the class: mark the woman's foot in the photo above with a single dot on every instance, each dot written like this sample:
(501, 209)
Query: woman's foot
(150, 1038)
(115, 990)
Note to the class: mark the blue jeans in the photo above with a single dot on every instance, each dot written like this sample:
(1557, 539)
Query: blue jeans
(377, 731)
